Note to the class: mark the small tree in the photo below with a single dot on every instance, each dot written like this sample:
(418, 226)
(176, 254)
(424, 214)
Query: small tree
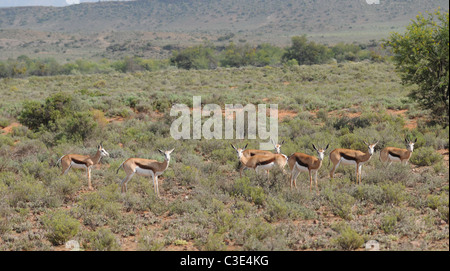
(421, 56)
(197, 57)
(307, 52)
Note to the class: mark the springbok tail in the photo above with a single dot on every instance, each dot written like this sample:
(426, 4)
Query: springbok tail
(57, 162)
(121, 165)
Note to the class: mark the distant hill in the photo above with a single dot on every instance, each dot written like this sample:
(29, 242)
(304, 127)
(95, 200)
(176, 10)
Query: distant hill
(254, 21)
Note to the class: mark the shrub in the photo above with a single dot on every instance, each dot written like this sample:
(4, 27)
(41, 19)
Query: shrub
(27, 191)
(439, 203)
(307, 52)
(197, 57)
(77, 127)
(242, 187)
(394, 193)
(35, 114)
(102, 240)
(215, 243)
(60, 226)
(348, 239)
(388, 223)
(149, 241)
(425, 156)
(341, 203)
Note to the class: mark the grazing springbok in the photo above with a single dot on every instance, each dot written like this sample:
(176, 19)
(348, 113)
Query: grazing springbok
(145, 167)
(86, 162)
(260, 161)
(351, 157)
(299, 162)
(251, 152)
(392, 154)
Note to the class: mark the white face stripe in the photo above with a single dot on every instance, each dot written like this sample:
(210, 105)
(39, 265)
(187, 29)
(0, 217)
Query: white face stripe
(321, 154)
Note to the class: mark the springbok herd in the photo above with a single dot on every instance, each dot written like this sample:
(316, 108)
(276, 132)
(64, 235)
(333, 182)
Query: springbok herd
(252, 159)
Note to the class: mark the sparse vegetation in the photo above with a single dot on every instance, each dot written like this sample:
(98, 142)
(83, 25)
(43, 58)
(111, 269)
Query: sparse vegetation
(123, 95)
(204, 204)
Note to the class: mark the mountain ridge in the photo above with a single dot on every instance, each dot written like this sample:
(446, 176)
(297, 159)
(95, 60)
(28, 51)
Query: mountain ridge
(146, 27)
(213, 15)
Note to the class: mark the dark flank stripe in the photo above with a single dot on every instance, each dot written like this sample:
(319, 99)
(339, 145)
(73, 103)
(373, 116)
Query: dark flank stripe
(145, 167)
(394, 154)
(265, 162)
(76, 161)
(346, 157)
(300, 162)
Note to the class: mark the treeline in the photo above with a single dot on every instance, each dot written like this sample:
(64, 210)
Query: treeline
(24, 66)
(301, 52)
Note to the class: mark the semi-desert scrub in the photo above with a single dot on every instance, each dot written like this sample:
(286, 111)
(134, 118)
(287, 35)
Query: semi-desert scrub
(204, 204)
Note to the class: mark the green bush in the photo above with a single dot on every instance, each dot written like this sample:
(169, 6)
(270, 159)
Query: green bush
(60, 227)
(341, 203)
(425, 156)
(242, 187)
(388, 223)
(307, 52)
(439, 203)
(102, 240)
(215, 243)
(394, 193)
(348, 239)
(35, 114)
(197, 57)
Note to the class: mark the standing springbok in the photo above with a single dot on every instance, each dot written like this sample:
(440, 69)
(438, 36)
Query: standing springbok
(393, 154)
(299, 162)
(351, 157)
(260, 161)
(251, 152)
(145, 167)
(86, 162)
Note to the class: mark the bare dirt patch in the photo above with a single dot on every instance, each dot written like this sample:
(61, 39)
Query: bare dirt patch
(8, 129)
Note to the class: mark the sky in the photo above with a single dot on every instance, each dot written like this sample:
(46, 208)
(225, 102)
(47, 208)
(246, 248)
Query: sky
(56, 3)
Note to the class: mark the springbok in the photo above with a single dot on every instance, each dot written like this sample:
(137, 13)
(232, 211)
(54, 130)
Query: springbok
(78, 161)
(351, 157)
(144, 167)
(252, 152)
(299, 162)
(260, 161)
(393, 154)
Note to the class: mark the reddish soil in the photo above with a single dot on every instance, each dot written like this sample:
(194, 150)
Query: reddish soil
(9, 129)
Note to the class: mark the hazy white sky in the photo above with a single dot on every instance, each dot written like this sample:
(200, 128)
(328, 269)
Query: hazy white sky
(56, 3)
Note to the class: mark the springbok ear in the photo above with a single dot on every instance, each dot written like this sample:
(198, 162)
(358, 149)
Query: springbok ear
(160, 151)
(171, 150)
(282, 142)
(245, 146)
(314, 147)
(326, 148)
(415, 141)
(366, 143)
(233, 147)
